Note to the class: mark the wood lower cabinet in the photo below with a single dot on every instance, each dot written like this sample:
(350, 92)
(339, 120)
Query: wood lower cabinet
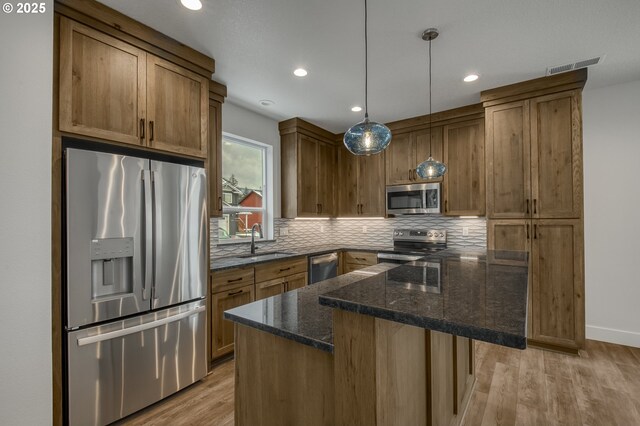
(274, 278)
(464, 184)
(222, 330)
(362, 184)
(112, 90)
(556, 276)
(230, 288)
(558, 283)
(308, 162)
(354, 260)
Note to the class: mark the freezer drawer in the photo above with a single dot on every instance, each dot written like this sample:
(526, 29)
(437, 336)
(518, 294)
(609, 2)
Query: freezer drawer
(122, 367)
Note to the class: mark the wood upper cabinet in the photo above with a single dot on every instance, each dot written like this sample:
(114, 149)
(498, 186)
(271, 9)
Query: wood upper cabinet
(326, 169)
(556, 155)
(400, 157)
(362, 184)
(534, 157)
(407, 150)
(177, 108)
(508, 161)
(217, 94)
(308, 173)
(102, 85)
(112, 90)
(558, 283)
(464, 186)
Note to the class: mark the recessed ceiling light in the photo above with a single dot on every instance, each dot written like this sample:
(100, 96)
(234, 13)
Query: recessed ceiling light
(300, 72)
(471, 77)
(192, 4)
(266, 102)
(356, 109)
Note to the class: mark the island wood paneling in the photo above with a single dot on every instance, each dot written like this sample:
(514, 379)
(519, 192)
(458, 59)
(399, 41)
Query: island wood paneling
(281, 382)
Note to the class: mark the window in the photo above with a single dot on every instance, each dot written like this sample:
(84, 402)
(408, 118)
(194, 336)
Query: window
(246, 189)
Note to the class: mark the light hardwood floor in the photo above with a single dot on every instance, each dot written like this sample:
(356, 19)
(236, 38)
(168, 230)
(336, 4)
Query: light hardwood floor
(531, 387)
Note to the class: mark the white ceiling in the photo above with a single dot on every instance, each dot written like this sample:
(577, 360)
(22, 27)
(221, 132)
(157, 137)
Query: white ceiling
(257, 44)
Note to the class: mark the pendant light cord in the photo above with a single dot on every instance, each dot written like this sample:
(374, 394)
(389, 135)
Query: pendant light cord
(430, 99)
(366, 65)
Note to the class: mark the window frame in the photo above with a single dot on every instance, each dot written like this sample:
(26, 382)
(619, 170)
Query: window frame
(267, 208)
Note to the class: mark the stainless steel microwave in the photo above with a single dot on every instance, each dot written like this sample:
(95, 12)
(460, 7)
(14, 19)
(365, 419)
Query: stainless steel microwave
(419, 198)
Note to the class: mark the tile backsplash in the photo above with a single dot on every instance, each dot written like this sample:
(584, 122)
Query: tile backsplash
(375, 232)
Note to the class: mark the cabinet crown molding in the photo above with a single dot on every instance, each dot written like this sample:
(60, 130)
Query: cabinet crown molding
(116, 24)
(298, 125)
(536, 87)
(217, 91)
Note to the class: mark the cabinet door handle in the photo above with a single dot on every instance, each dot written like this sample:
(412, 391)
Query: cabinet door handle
(220, 203)
(233, 293)
(527, 231)
(320, 208)
(535, 209)
(359, 208)
(285, 269)
(535, 231)
(445, 206)
(151, 131)
(317, 208)
(527, 206)
(142, 126)
(410, 175)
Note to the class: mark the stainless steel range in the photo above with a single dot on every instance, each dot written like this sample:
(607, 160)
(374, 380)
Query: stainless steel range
(410, 245)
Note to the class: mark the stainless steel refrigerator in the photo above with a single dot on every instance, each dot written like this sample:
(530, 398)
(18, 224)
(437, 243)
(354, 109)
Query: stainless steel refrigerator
(135, 282)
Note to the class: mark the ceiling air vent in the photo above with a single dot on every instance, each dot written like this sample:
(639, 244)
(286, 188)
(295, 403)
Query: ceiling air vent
(575, 65)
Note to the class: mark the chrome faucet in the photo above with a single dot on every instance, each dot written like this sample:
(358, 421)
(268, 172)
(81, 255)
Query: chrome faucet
(253, 236)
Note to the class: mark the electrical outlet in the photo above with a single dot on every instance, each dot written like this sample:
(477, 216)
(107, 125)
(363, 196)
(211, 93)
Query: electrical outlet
(284, 231)
(465, 231)
(364, 229)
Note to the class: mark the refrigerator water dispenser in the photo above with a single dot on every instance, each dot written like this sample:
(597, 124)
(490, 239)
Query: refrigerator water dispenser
(111, 267)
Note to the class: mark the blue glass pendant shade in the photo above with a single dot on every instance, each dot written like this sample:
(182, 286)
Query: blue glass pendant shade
(431, 169)
(367, 137)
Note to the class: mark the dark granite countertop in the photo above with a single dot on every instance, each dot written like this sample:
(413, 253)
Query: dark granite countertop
(221, 263)
(481, 295)
(296, 314)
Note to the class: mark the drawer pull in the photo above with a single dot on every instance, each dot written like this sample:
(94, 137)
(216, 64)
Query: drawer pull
(142, 126)
(233, 293)
(234, 280)
(285, 269)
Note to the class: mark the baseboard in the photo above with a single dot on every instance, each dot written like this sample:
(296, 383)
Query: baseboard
(611, 335)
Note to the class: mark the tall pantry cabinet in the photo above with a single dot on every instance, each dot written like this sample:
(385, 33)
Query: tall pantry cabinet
(535, 197)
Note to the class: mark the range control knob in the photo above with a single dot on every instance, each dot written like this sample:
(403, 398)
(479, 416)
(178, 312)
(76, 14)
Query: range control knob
(401, 233)
(429, 234)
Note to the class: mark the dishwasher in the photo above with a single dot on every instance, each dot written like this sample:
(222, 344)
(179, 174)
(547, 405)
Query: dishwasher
(323, 267)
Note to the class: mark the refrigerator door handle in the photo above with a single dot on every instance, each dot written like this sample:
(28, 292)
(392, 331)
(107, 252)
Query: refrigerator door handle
(148, 234)
(138, 328)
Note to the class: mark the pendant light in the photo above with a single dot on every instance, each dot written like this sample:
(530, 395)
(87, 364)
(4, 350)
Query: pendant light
(367, 137)
(430, 168)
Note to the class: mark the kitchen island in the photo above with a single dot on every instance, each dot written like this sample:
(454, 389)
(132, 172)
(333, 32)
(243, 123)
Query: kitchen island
(386, 345)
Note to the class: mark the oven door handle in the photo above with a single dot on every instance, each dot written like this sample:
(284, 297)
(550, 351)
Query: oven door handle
(391, 256)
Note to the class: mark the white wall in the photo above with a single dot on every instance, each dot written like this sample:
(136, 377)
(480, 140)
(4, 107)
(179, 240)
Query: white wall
(25, 217)
(611, 120)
